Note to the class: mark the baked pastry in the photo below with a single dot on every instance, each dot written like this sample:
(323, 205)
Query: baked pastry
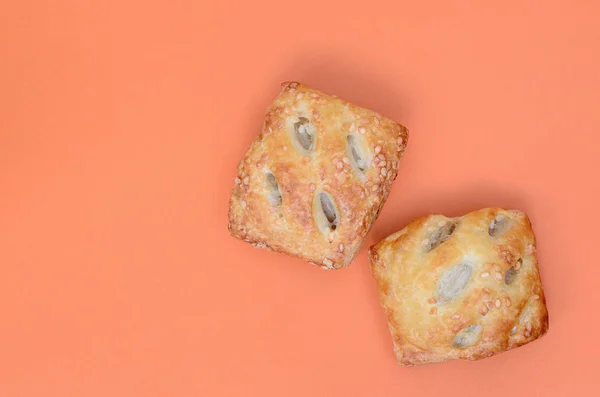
(315, 179)
(460, 288)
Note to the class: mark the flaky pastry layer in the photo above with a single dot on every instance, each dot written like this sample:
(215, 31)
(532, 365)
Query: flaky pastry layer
(460, 288)
(316, 178)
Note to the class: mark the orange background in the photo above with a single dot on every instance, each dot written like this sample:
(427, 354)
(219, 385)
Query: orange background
(120, 131)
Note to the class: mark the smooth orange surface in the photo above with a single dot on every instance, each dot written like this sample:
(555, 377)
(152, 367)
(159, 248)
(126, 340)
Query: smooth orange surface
(121, 126)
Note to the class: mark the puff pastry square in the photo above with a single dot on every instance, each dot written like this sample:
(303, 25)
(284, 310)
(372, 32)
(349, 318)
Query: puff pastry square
(460, 288)
(315, 179)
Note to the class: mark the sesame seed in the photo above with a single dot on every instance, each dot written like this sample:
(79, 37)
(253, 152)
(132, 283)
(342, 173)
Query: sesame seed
(341, 247)
(377, 149)
(244, 204)
(498, 303)
(484, 275)
(456, 316)
(530, 249)
(536, 297)
(376, 120)
(489, 304)
(245, 181)
(507, 302)
(362, 130)
(498, 275)
(330, 237)
(383, 171)
(237, 181)
(313, 95)
(528, 327)
(497, 268)
(286, 111)
(299, 96)
(374, 187)
(483, 310)
(352, 127)
(382, 164)
(527, 334)
(346, 160)
(311, 187)
(400, 140)
(327, 262)
(339, 165)
(380, 156)
(284, 148)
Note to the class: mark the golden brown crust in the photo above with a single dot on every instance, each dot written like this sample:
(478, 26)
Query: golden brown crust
(460, 288)
(276, 202)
